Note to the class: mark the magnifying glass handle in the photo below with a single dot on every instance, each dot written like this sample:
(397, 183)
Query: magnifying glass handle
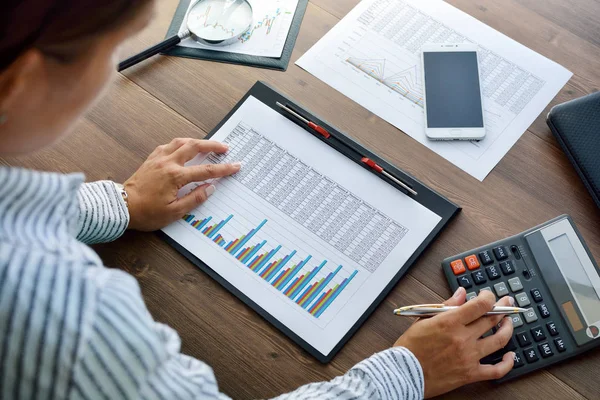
(151, 51)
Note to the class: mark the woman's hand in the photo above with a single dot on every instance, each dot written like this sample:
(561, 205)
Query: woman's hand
(449, 346)
(152, 190)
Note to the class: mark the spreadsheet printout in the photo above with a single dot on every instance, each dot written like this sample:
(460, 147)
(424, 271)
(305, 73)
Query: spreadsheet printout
(306, 233)
(373, 56)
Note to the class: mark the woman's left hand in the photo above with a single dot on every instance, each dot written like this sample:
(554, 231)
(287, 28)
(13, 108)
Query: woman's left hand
(152, 190)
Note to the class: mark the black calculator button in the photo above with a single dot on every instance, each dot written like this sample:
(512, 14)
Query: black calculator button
(518, 360)
(501, 253)
(479, 277)
(552, 328)
(465, 281)
(560, 344)
(545, 349)
(523, 338)
(508, 267)
(538, 333)
(530, 355)
(537, 295)
(486, 257)
(493, 272)
(544, 312)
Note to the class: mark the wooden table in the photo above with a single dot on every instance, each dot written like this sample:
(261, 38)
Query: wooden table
(172, 97)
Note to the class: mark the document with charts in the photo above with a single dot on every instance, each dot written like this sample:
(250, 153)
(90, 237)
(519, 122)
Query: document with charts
(373, 56)
(304, 232)
(267, 35)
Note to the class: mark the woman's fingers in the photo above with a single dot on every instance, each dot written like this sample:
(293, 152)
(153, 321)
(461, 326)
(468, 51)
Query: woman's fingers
(203, 172)
(192, 147)
(193, 199)
(498, 340)
(473, 309)
(486, 372)
(484, 324)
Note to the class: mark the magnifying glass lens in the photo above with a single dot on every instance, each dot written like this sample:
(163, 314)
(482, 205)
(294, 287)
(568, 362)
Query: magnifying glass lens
(218, 20)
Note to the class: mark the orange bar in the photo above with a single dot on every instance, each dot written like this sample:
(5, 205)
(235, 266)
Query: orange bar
(324, 299)
(248, 250)
(258, 261)
(291, 289)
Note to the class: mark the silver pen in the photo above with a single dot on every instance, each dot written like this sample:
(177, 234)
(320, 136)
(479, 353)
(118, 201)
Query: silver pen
(430, 310)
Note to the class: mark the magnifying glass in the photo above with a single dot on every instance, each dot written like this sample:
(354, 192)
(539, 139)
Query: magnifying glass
(209, 22)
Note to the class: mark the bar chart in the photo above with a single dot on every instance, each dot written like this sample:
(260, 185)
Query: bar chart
(301, 279)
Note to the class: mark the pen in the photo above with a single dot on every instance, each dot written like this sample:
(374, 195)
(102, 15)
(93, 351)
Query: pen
(365, 160)
(430, 310)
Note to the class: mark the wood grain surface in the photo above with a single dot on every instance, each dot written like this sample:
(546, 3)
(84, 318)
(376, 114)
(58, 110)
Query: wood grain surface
(171, 97)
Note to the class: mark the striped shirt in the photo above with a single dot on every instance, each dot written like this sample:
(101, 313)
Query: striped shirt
(72, 329)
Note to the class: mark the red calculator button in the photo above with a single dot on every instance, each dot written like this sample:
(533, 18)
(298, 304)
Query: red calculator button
(472, 262)
(457, 267)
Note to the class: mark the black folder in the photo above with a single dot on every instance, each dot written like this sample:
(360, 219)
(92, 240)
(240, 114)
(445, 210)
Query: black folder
(576, 126)
(234, 58)
(425, 196)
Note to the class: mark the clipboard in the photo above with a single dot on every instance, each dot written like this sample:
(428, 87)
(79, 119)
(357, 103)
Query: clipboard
(280, 63)
(425, 196)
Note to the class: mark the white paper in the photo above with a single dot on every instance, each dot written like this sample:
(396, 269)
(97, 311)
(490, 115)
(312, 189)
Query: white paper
(316, 202)
(373, 57)
(267, 35)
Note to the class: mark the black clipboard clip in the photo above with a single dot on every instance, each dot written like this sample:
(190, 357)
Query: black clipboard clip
(365, 160)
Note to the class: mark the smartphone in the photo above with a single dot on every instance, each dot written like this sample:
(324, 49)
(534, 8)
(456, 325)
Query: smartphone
(453, 98)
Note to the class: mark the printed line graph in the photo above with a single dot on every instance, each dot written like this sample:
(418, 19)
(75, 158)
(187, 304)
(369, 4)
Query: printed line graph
(205, 18)
(267, 22)
(405, 82)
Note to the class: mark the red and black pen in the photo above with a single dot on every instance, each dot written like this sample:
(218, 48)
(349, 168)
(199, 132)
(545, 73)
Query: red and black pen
(365, 160)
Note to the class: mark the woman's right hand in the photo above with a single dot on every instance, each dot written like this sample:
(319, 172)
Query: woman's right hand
(449, 346)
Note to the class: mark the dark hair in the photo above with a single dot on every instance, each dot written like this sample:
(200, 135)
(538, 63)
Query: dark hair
(59, 28)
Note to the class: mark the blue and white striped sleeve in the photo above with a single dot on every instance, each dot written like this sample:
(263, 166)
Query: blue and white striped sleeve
(103, 214)
(126, 354)
(391, 374)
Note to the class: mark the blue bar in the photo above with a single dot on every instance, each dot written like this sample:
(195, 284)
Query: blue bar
(266, 260)
(243, 242)
(253, 252)
(280, 266)
(323, 284)
(289, 278)
(310, 276)
(204, 223)
(222, 244)
(332, 298)
(218, 228)
(189, 218)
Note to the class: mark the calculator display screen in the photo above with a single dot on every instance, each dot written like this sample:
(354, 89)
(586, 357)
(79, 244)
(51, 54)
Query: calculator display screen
(577, 278)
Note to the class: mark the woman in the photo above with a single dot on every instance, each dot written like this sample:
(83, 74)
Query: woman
(71, 328)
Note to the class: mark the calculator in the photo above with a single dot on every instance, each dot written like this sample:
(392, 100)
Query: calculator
(549, 271)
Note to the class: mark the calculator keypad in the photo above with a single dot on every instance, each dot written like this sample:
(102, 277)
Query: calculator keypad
(535, 337)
